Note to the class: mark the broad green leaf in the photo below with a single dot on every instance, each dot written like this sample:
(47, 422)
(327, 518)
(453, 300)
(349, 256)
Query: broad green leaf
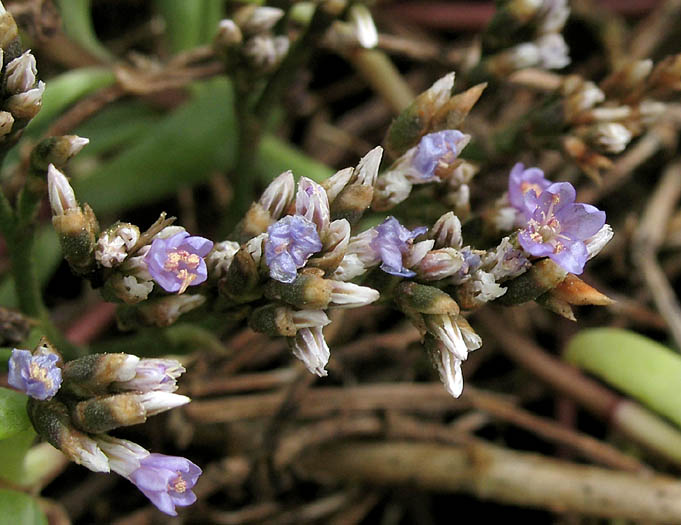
(66, 89)
(117, 126)
(13, 453)
(181, 149)
(632, 363)
(13, 417)
(276, 156)
(17, 508)
(77, 23)
(189, 24)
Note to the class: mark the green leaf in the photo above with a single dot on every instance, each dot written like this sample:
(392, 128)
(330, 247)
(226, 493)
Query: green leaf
(181, 149)
(635, 365)
(189, 24)
(47, 256)
(77, 23)
(13, 416)
(66, 89)
(13, 454)
(17, 508)
(276, 156)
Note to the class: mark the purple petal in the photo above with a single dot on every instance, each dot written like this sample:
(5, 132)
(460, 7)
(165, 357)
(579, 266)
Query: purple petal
(572, 258)
(291, 241)
(564, 191)
(436, 147)
(538, 249)
(583, 221)
(198, 245)
(524, 186)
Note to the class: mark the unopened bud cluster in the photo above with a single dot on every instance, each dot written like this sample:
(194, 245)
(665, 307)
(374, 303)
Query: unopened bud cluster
(72, 405)
(540, 23)
(249, 37)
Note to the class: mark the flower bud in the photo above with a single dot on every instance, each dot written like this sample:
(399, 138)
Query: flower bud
(265, 52)
(52, 422)
(92, 375)
(101, 414)
(307, 291)
(542, 277)
(364, 26)
(8, 30)
(274, 319)
(349, 295)
(56, 151)
(26, 105)
(241, 282)
(337, 182)
(447, 231)
(481, 288)
(392, 187)
(439, 264)
(610, 137)
(127, 288)
(310, 347)
(270, 207)
(220, 258)
(447, 365)
(257, 19)
(415, 121)
(6, 124)
(313, 204)
(228, 35)
(20, 73)
(114, 244)
(334, 245)
(411, 296)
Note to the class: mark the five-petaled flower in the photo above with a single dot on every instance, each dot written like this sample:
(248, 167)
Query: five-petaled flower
(167, 481)
(436, 150)
(520, 182)
(391, 242)
(291, 241)
(36, 375)
(558, 227)
(177, 262)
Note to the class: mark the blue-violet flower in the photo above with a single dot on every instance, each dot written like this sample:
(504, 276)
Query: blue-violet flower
(437, 149)
(291, 241)
(177, 262)
(36, 375)
(521, 181)
(558, 227)
(391, 243)
(167, 481)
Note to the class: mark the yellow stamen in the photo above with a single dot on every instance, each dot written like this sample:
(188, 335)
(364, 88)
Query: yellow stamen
(178, 484)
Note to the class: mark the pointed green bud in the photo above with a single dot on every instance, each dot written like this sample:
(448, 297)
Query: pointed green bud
(308, 291)
(424, 299)
(542, 277)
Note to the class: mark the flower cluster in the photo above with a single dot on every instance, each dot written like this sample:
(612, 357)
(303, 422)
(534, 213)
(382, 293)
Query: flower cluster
(72, 405)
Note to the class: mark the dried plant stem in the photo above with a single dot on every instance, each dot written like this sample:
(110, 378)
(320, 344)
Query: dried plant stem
(587, 446)
(628, 417)
(383, 76)
(647, 240)
(490, 472)
(429, 397)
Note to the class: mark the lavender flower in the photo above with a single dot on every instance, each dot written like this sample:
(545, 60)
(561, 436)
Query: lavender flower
(558, 227)
(36, 375)
(291, 241)
(153, 375)
(437, 149)
(521, 181)
(391, 243)
(177, 261)
(167, 481)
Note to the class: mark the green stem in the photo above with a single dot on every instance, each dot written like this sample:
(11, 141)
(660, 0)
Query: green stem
(323, 16)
